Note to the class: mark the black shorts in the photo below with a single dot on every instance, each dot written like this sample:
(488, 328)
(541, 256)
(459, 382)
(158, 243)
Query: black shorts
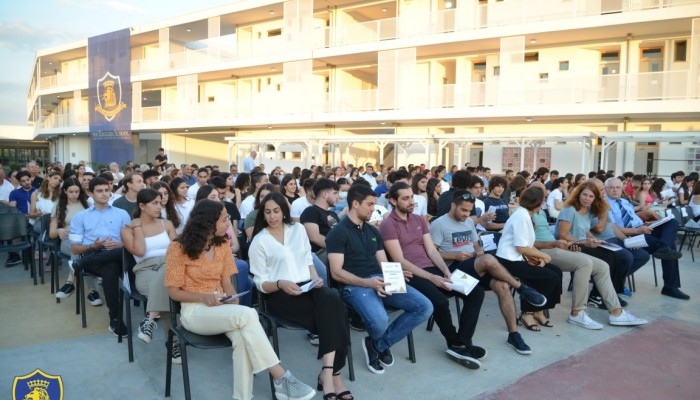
(467, 266)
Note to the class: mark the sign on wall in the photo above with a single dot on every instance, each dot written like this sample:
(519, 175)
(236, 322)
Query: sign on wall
(109, 63)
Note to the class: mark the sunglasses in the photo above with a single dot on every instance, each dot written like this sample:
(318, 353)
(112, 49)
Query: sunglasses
(466, 196)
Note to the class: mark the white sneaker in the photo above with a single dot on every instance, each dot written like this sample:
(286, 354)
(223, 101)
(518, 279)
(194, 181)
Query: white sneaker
(584, 321)
(291, 388)
(626, 319)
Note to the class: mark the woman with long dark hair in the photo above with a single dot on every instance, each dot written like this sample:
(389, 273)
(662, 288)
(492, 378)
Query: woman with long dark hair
(280, 260)
(685, 190)
(289, 188)
(167, 202)
(241, 187)
(183, 205)
(516, 252)
(198, 275)
(147, 238)
(433, 190)
(71, 201)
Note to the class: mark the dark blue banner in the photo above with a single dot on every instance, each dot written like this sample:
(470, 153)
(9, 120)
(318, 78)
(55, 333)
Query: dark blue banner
(109, 61)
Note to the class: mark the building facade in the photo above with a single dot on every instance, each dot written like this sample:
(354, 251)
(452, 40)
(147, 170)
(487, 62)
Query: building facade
(511, 84)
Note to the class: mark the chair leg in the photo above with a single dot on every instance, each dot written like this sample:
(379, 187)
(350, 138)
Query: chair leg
(168, 362)
(78, 292)
(653, 264)
(120, 312)
(82, 300)
(185, 370)
(431, 322)
(411, 348)
(41, 263)
(351, 367)
(130, 334)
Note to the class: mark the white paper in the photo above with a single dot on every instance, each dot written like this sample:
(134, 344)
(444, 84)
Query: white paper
(684, 212)
(487, 242)
(393, 276)
(235, 296)
(660, 222)
(125, 279)
(462, 282)
(635, 242)
(492, 210)
(610, 246)
(305, 288)
(667, 193)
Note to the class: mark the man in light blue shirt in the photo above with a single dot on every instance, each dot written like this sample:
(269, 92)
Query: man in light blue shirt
(249, 162)
(661, 240)
(95, 234)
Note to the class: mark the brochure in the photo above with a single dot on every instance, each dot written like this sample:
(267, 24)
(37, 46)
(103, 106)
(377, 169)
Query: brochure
(462, 282)
(487, 242)
(660, 222)
(610, 246)
(233, 297)
(310, 285)
(393, 277)
(635, 242)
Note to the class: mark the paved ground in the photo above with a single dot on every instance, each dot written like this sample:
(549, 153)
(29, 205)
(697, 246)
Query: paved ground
(655, 361)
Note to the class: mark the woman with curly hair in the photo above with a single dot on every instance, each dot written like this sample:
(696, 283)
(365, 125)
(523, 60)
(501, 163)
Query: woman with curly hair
(198, 275)
(241, 187)
(574, 225)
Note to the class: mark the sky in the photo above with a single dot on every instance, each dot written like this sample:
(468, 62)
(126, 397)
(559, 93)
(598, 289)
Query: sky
(30, 25)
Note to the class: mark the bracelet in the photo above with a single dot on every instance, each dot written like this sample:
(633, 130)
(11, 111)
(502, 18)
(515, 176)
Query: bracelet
(278, 285)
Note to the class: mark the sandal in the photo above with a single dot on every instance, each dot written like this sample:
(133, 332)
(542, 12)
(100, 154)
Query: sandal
(345, 395)
(527, 326)
(546, 322)
(319, 386)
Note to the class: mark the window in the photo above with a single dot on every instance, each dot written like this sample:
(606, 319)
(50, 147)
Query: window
(680, 48)
(563, 65)
(497, 70)
(651, 53)
(532, 57)
(274, 32)
(544, 76)
(481, 66)
(610, 56)
(210, 99)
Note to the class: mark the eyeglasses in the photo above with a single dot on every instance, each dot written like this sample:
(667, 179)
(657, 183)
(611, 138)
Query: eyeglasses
(466, 196)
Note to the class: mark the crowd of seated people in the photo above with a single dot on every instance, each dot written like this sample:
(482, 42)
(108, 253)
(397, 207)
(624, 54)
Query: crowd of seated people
(198, 234)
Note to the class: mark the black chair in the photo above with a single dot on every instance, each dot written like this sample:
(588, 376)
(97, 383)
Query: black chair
(80, 275)
(186, 338)
(128, 291)
(41, 242)
(431, 320)
(13, 226)
(274, 322)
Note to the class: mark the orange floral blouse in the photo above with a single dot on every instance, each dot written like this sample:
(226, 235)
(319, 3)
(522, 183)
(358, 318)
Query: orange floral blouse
(200, 275)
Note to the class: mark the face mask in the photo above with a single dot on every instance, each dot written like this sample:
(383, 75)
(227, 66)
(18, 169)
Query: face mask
(342, 195)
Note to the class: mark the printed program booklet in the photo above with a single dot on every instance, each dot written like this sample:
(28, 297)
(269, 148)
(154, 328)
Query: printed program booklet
(636, 242)
(462, 282)
(393, 277)
(660, 222)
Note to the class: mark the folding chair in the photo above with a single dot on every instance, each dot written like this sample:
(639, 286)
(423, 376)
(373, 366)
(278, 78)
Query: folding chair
(128, 291)
(274, 322)
(13, 226)
(186, 338)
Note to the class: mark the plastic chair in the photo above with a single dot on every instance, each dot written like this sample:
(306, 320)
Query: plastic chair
(128, 291)
(80, 275)
(43, 241)
(186, 338)
(275, 322)
(431, 320)
(13, 226)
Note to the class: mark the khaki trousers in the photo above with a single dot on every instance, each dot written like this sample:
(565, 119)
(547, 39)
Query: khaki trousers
(252, 352)
(585, 266)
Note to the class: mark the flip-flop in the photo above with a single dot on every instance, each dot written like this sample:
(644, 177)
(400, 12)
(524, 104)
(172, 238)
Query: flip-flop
(532, 327)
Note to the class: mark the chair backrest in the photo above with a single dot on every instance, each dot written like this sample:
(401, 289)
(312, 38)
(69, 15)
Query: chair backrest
(8, 209)
(128, 263)
(12, 226)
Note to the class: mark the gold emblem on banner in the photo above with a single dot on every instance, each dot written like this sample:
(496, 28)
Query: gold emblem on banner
(109, 96)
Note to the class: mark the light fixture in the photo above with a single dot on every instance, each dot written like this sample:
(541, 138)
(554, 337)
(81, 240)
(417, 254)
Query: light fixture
(74, 134)
(188, 30)
(271, 12)
(50, 63)
(533, 41)
(145, 98)
(528, 119)
(448, 4)
(269, 127)
(187, 130)
(273, 68)
(384, 9)
(382, 123)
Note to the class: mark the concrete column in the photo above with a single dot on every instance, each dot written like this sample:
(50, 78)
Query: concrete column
(75, 116)
(136, 96)
(164, 46)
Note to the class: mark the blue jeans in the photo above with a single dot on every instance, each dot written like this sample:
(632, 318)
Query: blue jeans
(244, 283)
(366, 302)
(320, 268)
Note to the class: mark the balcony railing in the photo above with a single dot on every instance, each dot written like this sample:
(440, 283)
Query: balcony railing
(52, 121)
(59, 80)
(485, 16)
(649, 86)
(207, 56)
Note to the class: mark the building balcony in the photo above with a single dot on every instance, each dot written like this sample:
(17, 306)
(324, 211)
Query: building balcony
(62, 80)
(57, 121)
(482, 16)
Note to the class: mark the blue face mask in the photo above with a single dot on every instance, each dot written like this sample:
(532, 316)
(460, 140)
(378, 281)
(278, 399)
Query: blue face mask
(343, 195)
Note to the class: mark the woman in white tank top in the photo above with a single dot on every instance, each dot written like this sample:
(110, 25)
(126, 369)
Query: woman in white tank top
(147, 238)
(44, 199)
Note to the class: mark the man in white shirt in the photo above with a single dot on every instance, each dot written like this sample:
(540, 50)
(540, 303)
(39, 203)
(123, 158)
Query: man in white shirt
(202, 178)
(114, 169)
(258, 179)
(369, 175)
(302, 203)
(5, 188)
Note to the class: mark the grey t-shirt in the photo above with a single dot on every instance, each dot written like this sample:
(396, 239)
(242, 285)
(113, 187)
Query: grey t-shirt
(580, 224)
(452, 236)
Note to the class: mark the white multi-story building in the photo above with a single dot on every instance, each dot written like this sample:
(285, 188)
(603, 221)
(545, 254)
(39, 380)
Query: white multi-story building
(511, 84)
